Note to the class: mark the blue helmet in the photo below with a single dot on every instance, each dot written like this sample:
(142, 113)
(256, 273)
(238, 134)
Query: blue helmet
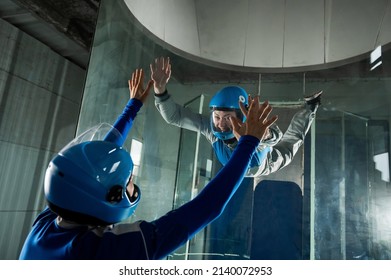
(227, 99)
(89, 179)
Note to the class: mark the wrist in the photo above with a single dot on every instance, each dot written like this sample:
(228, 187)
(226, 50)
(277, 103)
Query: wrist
(159, 90)
(162, 97)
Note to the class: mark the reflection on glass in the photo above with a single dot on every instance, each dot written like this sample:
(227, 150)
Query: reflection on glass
(375, 58)
(136, 152)
(382, 164)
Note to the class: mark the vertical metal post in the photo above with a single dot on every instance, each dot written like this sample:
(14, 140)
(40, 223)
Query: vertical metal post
(342, 193)
(312, 194)
(195, 170)
(259, 84)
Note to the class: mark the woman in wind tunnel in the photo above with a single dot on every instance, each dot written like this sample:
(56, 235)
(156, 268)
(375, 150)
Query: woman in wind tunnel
(89, 191)
(274, 152)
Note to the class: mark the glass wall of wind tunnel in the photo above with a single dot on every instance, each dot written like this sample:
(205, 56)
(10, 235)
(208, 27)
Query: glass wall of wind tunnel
(343, 166)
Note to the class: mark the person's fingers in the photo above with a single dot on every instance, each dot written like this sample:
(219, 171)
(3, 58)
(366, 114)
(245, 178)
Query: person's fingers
(264, 104)
(270, 121)
(136, 77)
(151, 68)
(256, 105)
(237, 127)
(250, 99)
(161, 63)
(140, 75)
(253, 112)
(250, 107)
(133, 78)
(168, 70)
(243, 108)
(265, 111)
(266, 126)
(141, 79)
(263, 107)
(165, 63)
(236, 124)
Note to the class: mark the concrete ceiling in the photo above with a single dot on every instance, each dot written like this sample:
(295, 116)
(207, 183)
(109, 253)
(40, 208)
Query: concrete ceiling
(268, 35)
(67, 26)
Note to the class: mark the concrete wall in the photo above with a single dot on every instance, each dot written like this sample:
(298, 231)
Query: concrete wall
(40, 95)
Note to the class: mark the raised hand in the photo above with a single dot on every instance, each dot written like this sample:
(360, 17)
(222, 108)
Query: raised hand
(257, 120)
(160, 74)
(136, 86)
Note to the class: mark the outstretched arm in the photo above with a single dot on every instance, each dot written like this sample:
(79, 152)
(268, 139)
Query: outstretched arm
(170, 111)
(137, 95)
(178, 226)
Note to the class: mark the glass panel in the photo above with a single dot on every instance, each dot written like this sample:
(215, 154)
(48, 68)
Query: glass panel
(346, 190)
(349, 190)
(195, 153)
(189, 164)
(342, 186)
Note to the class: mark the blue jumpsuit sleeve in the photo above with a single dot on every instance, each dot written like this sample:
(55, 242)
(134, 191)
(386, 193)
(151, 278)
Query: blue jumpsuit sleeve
(124, 122)
(178, 226)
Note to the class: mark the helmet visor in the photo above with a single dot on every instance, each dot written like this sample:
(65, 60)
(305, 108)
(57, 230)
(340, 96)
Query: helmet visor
(100, 132)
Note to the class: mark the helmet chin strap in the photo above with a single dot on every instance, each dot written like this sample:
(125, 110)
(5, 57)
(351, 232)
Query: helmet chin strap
(230, 141)
(220, 130)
